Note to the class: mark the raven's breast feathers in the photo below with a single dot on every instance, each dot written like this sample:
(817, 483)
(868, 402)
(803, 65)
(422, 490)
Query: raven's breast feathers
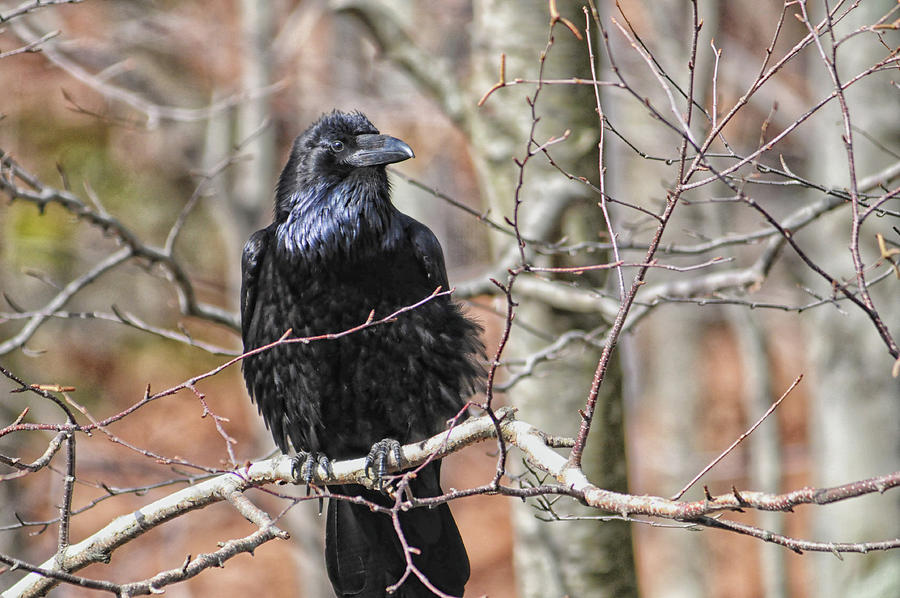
(344, 221)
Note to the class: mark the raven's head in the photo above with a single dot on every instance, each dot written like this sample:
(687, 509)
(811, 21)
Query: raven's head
(337, 147)
(333, 195)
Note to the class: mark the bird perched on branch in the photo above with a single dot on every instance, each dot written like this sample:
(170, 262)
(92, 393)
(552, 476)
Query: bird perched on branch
(336, 252)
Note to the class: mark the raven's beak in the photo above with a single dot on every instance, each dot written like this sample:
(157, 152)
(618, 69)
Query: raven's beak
(373, 150)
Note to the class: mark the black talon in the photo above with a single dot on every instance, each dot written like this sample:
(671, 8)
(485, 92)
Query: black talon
(376, 460)
(325, 463)
(298, 467)
(304, 466)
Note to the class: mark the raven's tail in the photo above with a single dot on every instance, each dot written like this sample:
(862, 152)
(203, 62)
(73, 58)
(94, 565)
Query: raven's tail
(363, 553)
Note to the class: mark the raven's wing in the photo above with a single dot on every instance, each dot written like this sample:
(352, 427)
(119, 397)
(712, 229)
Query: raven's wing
(251, 267)
(428, 251)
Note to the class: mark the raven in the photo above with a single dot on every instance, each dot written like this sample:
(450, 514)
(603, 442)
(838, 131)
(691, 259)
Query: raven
(337, 251)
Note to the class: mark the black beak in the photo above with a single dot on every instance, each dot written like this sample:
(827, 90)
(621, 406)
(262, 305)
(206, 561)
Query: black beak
(374, 150)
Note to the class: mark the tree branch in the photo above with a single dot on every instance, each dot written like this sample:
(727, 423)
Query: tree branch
(432, 73)
(534, 444)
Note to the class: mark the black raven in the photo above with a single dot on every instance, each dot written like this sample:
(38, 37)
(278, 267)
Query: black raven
(337, 250)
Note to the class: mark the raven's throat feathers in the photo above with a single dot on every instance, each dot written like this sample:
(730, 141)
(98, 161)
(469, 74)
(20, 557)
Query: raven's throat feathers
(348, 219)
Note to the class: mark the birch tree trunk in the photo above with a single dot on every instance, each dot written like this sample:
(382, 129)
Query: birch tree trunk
(577, 559)
(855, 406)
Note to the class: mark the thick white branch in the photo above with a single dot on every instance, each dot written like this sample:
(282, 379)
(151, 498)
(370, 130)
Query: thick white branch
(98, 547)
(531, 441)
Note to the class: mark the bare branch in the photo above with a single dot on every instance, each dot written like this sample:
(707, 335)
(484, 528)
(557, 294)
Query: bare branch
(63, 297)
(39, 463)
(724, 453)
(20, 184)
(153, 113)
(32, 46)
(431, 72)
(31, 6)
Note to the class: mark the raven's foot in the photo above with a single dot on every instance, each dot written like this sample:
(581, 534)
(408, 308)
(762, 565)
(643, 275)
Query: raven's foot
(377, 459)
(304, 466)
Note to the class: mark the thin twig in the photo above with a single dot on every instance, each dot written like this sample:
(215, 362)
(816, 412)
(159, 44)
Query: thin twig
(739, 439)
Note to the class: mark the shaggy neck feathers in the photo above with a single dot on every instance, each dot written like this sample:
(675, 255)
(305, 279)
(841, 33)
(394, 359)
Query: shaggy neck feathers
(329, 220)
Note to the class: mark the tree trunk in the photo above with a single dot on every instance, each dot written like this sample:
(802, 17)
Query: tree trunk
(855, 408)
(577, 559)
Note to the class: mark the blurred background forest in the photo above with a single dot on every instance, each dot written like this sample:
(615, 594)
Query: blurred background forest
(153, 133)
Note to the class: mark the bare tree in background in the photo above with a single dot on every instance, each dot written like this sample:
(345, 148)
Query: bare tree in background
(686, 250)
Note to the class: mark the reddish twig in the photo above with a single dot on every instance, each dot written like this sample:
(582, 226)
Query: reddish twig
(739, 439)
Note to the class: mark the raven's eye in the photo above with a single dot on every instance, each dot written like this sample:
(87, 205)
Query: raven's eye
(337, 146)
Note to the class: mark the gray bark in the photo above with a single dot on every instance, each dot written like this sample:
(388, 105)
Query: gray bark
(855, 406)
(577, 559)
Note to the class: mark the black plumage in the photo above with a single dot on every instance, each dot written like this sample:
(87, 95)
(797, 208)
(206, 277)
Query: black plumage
(337, 250)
